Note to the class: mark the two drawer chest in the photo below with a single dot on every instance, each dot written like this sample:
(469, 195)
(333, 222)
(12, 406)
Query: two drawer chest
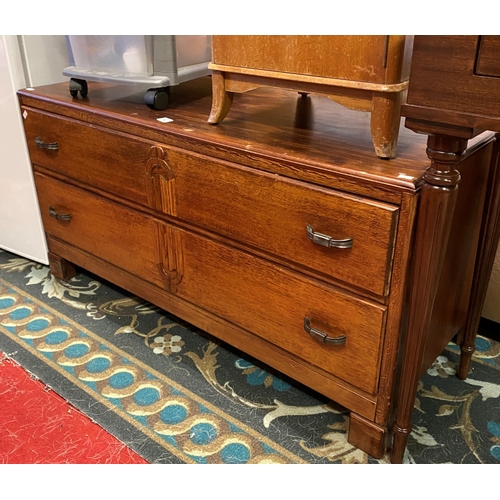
(278, 231)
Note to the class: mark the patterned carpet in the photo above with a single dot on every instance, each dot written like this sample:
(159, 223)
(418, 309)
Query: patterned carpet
(175, 395)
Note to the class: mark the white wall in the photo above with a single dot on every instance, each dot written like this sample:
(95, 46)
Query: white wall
(21, 230)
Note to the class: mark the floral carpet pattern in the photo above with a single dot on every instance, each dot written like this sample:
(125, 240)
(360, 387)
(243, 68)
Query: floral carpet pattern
(175, 395)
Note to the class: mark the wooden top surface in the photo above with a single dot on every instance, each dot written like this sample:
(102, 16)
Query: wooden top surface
(312, 139)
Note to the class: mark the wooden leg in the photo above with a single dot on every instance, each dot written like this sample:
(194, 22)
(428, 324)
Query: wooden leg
(61, 268)
(385, 123)
(367, 436)
(437, 204)
(488, 243)
(221, 99)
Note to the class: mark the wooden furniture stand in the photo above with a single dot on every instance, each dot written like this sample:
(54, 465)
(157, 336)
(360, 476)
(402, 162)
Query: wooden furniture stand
(367, 73)
(319, 279)
(453, 96)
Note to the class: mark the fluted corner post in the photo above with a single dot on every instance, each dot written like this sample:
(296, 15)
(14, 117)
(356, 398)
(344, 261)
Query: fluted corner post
(437, 203)
(488, 243)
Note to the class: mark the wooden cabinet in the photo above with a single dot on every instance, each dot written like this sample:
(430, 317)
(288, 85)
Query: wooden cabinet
(367, 73)
(281, 234)
(453, 96)
(455, 81)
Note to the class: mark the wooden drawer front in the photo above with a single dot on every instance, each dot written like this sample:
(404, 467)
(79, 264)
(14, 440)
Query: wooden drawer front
(103, 229)
(272, 213)
(263, 210)
(265, 299)
(360, 58)
(273, 302)
(107, 160)
(488, 60)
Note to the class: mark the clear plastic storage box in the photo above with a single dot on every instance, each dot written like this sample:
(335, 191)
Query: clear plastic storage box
(158, 61)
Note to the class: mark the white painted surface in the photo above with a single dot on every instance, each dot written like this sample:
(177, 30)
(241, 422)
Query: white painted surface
(24, 61)
(45, 57)
(491, 309)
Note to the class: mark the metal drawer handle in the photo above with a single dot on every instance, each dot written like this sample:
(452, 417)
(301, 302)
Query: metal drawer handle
(327, 241)
(53, 213)
(322, 337)
(45, 145)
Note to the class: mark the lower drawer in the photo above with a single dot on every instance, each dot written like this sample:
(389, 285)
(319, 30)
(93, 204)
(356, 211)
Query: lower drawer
(268, 300)
(99, 227)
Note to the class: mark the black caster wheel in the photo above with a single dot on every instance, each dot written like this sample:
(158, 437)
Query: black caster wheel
(157, 98)
(304, 94)
(76, 85)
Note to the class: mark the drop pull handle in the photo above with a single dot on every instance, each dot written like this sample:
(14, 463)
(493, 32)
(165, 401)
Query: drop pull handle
(327, 241)
(53, 213)
(40, 143)
(321, 336)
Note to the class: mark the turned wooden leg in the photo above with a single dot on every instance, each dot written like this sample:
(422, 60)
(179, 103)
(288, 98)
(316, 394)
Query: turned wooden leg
(385, 123)
(488, 243)
(221, 99)
(367, 436)
(437, 204)
(61, 268)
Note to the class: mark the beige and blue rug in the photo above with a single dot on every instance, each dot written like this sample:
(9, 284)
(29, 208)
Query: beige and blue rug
(175, 395)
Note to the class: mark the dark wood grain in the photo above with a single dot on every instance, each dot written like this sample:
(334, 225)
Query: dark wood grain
(446, 87)
(452, 97)
(487, 63)
(368, 436)
(488, 244)
(61, 268)
(438, 198)
(457, 271)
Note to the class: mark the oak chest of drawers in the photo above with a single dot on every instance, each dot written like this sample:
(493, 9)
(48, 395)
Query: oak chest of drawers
(279, 231)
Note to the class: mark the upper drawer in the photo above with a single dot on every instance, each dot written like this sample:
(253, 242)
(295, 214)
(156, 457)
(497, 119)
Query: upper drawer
(108, 160)
(287, 218)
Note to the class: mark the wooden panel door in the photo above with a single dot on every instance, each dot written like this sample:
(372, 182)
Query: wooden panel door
(360, 58)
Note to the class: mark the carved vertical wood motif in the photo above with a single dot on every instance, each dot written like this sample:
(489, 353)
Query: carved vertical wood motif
(162, 197)
(170, 255)
(160, 180)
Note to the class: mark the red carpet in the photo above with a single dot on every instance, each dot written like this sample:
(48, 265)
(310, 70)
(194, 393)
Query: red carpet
(38, 426)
